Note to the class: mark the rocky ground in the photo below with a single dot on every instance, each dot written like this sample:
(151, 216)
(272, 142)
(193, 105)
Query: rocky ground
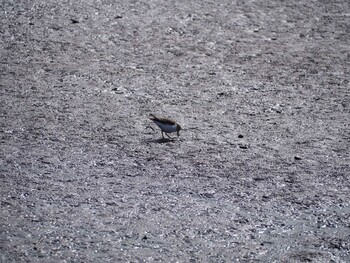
(260, 172)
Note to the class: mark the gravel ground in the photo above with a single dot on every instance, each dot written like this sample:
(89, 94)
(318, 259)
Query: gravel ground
(260, 172)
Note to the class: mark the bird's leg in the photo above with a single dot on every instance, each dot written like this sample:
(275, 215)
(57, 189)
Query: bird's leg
(168, 136)
(162, 134)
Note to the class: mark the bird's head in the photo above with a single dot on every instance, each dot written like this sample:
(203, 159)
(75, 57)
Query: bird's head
(178, 129)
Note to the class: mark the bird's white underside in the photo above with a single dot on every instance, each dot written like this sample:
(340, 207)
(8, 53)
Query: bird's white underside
(167, 128)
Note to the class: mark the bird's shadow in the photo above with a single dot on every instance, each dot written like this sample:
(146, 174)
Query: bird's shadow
(161, 140)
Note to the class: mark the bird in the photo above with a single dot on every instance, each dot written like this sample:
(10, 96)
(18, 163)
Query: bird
(166, 125)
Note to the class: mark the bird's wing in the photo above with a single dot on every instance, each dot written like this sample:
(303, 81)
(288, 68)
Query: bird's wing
(162, 119)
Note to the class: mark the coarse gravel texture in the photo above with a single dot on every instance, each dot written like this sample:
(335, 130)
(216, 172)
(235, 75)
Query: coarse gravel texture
(260, 172)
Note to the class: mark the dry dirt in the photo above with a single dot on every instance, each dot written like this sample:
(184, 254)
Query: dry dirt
(260, 172)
